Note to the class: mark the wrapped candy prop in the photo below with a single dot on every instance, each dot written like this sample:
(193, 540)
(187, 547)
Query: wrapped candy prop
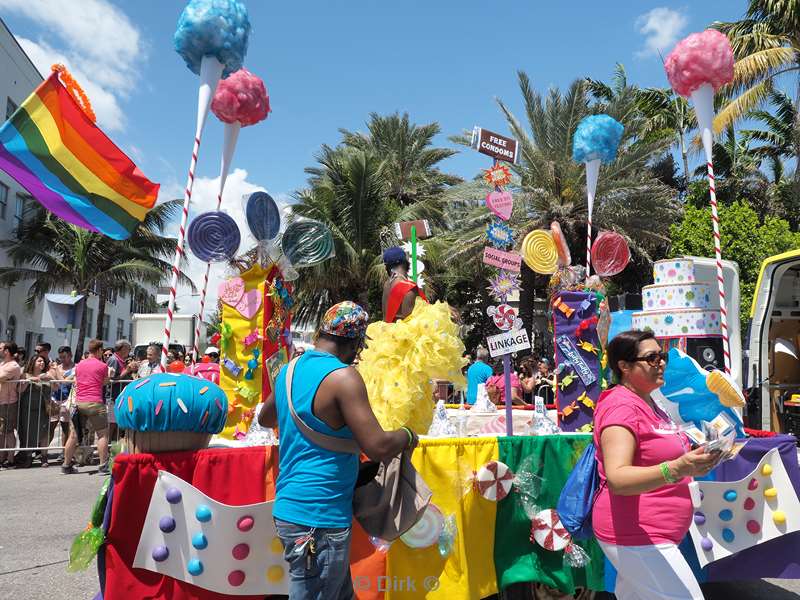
(696, 68)
(596, 140)
(240, 100)
(549, 533)
(564, 256)
(441, 425)
(263, 216)
(539, 251)
(212, 39)
(610, 254)
(306, 243)
(213, 237)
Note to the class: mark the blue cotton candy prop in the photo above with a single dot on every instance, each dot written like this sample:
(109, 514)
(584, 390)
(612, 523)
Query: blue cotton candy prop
(218, 28)
(685, 385)
(597, 137)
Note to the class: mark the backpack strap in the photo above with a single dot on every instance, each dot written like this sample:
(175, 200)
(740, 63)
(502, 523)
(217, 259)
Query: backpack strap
(323, 440)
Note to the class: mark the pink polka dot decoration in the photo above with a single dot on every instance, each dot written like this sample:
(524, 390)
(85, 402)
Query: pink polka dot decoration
(753, 526)
(245, 523)
(749, 504)
(240, 551)
(236, 578)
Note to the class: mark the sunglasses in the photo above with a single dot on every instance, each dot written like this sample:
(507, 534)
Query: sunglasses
(653, 358)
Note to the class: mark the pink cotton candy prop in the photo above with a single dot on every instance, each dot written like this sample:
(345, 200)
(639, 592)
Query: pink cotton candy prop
(700, 58)
(242, 98)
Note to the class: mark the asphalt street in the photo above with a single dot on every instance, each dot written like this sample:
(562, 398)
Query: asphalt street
(42, 511)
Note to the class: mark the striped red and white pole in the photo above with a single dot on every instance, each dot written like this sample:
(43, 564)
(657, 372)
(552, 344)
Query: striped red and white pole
(588, 246)
(203, 294)
(176, 265)
(723, 311)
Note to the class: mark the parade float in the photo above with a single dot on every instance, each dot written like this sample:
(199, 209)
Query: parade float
(178, 519)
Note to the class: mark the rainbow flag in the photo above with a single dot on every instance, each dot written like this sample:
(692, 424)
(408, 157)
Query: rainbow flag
(54, 150)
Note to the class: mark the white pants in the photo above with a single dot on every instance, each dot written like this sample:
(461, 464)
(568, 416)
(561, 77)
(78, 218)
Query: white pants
(656, 572)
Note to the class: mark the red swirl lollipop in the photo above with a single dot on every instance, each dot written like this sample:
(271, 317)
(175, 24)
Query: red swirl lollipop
(610, 254)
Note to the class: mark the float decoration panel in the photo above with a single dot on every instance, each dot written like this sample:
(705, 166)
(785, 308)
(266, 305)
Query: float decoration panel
(679, 322)
(673, 270)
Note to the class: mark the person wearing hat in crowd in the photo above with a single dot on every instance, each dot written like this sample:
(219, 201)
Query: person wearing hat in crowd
(212, 352)
(420, 341)
(314, 492)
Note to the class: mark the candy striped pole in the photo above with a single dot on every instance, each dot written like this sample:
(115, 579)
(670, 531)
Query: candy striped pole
(210, 73)
(723, 312)
(703, 100)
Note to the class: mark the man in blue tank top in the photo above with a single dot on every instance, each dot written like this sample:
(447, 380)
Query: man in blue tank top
(314, 493)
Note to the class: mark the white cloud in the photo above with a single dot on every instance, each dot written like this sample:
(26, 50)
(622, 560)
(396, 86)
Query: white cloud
(95, 40)
(661, 27)
(204, 198)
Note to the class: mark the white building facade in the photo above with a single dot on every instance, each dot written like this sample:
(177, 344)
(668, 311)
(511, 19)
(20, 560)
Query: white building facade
(18, 78)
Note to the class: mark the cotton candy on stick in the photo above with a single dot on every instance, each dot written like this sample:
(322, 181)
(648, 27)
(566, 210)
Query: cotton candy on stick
(596, 140)
(696, 68)
(212, 39)
(240, 100)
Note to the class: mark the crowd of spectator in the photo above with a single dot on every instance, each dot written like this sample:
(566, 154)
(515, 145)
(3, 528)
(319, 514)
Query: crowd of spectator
(43, 399)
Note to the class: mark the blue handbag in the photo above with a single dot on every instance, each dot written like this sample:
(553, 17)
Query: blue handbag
(578, 495)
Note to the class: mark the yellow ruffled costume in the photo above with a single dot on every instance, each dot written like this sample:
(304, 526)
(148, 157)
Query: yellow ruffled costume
(402, 358)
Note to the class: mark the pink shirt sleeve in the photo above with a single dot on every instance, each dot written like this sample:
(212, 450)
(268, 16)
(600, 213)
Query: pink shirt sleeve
(622, 415)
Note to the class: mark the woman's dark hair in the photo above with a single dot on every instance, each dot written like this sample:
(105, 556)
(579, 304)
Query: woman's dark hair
(32, 363)
(625, 346)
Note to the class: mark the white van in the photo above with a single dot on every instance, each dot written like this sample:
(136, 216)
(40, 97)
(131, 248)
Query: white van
(772, 355)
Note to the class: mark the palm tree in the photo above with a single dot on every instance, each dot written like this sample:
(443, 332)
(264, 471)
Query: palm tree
(630, 199)
(766, 45)
(410, 159)
(56, 256)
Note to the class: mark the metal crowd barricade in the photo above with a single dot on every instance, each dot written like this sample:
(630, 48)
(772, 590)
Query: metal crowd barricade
(40, 420)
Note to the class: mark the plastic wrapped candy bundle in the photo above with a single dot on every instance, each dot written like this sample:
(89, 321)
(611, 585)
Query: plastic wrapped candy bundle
(441, 426)
(597, 137)
(700, 58)
(241, 98)
(166, 412)
(218, 28)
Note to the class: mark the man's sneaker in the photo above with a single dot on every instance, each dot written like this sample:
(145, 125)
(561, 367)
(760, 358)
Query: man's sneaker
(70, 470)
(104, 470)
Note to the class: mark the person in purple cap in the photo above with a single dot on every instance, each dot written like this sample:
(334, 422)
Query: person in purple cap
(313, 508)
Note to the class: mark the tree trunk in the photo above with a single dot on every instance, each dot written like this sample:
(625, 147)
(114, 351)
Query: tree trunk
(526, 296)
(82, 329)
(101, 311)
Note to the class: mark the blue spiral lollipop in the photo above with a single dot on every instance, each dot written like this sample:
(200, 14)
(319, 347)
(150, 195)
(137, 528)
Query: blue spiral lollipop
(597, 137)
(218, 28)
(263, 216)
(213, 236)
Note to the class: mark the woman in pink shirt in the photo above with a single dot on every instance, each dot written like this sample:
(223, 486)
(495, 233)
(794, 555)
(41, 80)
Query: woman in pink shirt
(643, 508)
(496, 386)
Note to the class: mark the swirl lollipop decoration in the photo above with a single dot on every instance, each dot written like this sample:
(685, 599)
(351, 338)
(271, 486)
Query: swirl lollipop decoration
(539, 252)
(212, 39)
(240, 100)
(263, 216)
(610, 254)
(214, 236)
(696, 68)
(596, 140)
(307, 243)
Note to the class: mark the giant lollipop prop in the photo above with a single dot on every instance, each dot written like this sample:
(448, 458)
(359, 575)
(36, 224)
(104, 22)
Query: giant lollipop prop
(240, 100)
(696, 68)
(596, 140)
(212, 38)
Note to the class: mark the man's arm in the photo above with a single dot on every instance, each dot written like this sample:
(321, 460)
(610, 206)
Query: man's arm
(351, 398)
(268, 417)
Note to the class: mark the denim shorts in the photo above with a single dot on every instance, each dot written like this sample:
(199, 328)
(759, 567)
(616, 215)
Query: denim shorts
(323, 574)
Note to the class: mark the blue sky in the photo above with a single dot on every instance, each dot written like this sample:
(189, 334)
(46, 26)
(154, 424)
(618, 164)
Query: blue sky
(328, 63)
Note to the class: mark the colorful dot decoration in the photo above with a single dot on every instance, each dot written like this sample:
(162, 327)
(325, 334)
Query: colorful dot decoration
(706, 544)
(194, 567)
(160, 553)
(699, 518)
(749, 504)
(725, 515)
(766, 470)
(728, 535)
(276, 546)
(770, 493)
(275, 574)
(173, 495)
(199, 541)
(752, 484)
(240, 551)
(730, 495)
(753, 526)
(236, 578)
(203, 513)
(778, 517)
(166, 524)
(245, 523)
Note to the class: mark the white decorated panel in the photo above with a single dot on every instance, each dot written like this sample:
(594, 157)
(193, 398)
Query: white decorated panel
(679, 322)
(673, 296)
(675, 270)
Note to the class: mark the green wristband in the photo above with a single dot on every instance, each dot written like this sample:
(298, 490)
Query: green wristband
(666, 474)
(410, 436)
